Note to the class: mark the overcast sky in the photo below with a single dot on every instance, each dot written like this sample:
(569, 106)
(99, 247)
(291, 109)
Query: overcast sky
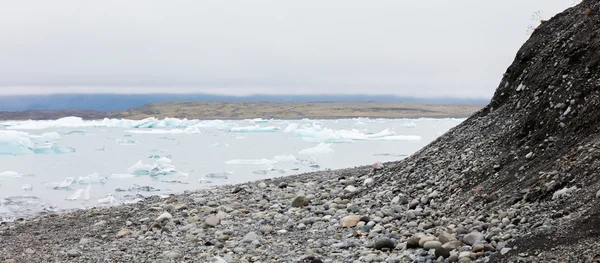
(419, 48)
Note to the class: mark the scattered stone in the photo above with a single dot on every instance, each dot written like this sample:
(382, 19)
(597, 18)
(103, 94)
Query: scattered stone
(163, 217)
(212, 221)
(384, 243)
(123, 232)
(173, 255)
(29, 251)
(442, 252)
(73, 253)
(350, 221)
(250, 237)
(413, 242)
(473, 237)
(432, 244)
(299, 201)
(377, 166)
(266, 229)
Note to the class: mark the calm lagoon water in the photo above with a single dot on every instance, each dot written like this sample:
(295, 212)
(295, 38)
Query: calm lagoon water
(70, 163)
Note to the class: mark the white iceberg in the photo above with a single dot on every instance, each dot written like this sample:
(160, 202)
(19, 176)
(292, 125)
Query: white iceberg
(94, 178)
(256, 128)
(162, 166)
(16, 143)
(10, 174)
(320, 149)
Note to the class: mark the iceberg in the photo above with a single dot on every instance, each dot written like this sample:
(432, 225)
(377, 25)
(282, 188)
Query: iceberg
(320, 149)
(162, 166)
(291, 127)
(109, 199)
(251, 162)
(148, 123)
(75, 195)
(10, 174)
(318, 134)
(65, 184)
(256, 128)
(94, 178)
(17, 143)
(126, 142)
(188, 130)
(224, 175)
(27, 187)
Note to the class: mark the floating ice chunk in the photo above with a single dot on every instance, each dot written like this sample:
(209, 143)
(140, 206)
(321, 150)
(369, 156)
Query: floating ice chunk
(251, 162)
(401, 138)
(65, 184)
(86, 193)
(109, 199)
(220, 144)
(140, 168)
(188, 130)
(10, 174)
(204, 181)
(409, 124)
(285, 158)
(320, 149)
(162, 166)
(121, 176)
(94, 178)
(77, 132)
(14, 142)
(76, 195)
(126, 142)
(53, 150)
(240, 137)
(27, 187)
(256, 128)
(224, 175)
(260, 172)
(291, 127)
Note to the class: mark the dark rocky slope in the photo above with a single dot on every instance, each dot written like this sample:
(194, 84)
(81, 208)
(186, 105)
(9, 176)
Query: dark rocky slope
(538, 136)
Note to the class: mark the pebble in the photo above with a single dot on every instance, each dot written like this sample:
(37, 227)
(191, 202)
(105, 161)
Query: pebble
(164, 216)
(212, 221)
(473, 237)
(384, 243)
(432, 244)
(350, 221)
(299, 201)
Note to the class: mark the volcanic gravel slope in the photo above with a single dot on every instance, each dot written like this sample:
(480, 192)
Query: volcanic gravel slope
(516, 182)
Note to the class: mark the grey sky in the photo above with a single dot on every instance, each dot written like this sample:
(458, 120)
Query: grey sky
(417, 48)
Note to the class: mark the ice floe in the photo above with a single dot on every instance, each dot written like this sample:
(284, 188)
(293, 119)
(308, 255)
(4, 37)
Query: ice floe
(10, 174)
(320, 149)
(316, 133)
(256, 128)
(162, 166)
(17, 143)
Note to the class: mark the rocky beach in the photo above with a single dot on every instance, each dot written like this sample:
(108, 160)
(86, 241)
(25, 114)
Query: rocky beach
(516, 182)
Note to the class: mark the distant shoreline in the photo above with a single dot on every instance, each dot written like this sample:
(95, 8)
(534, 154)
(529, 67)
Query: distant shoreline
(264, 110)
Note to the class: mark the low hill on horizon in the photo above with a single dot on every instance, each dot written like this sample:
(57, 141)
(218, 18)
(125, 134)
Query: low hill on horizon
(119, 102)
(249, 110)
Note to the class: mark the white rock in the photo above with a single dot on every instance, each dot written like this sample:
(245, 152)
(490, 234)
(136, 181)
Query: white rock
(529, 155)
(164, 216)
(351, 188)
(368, 181)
